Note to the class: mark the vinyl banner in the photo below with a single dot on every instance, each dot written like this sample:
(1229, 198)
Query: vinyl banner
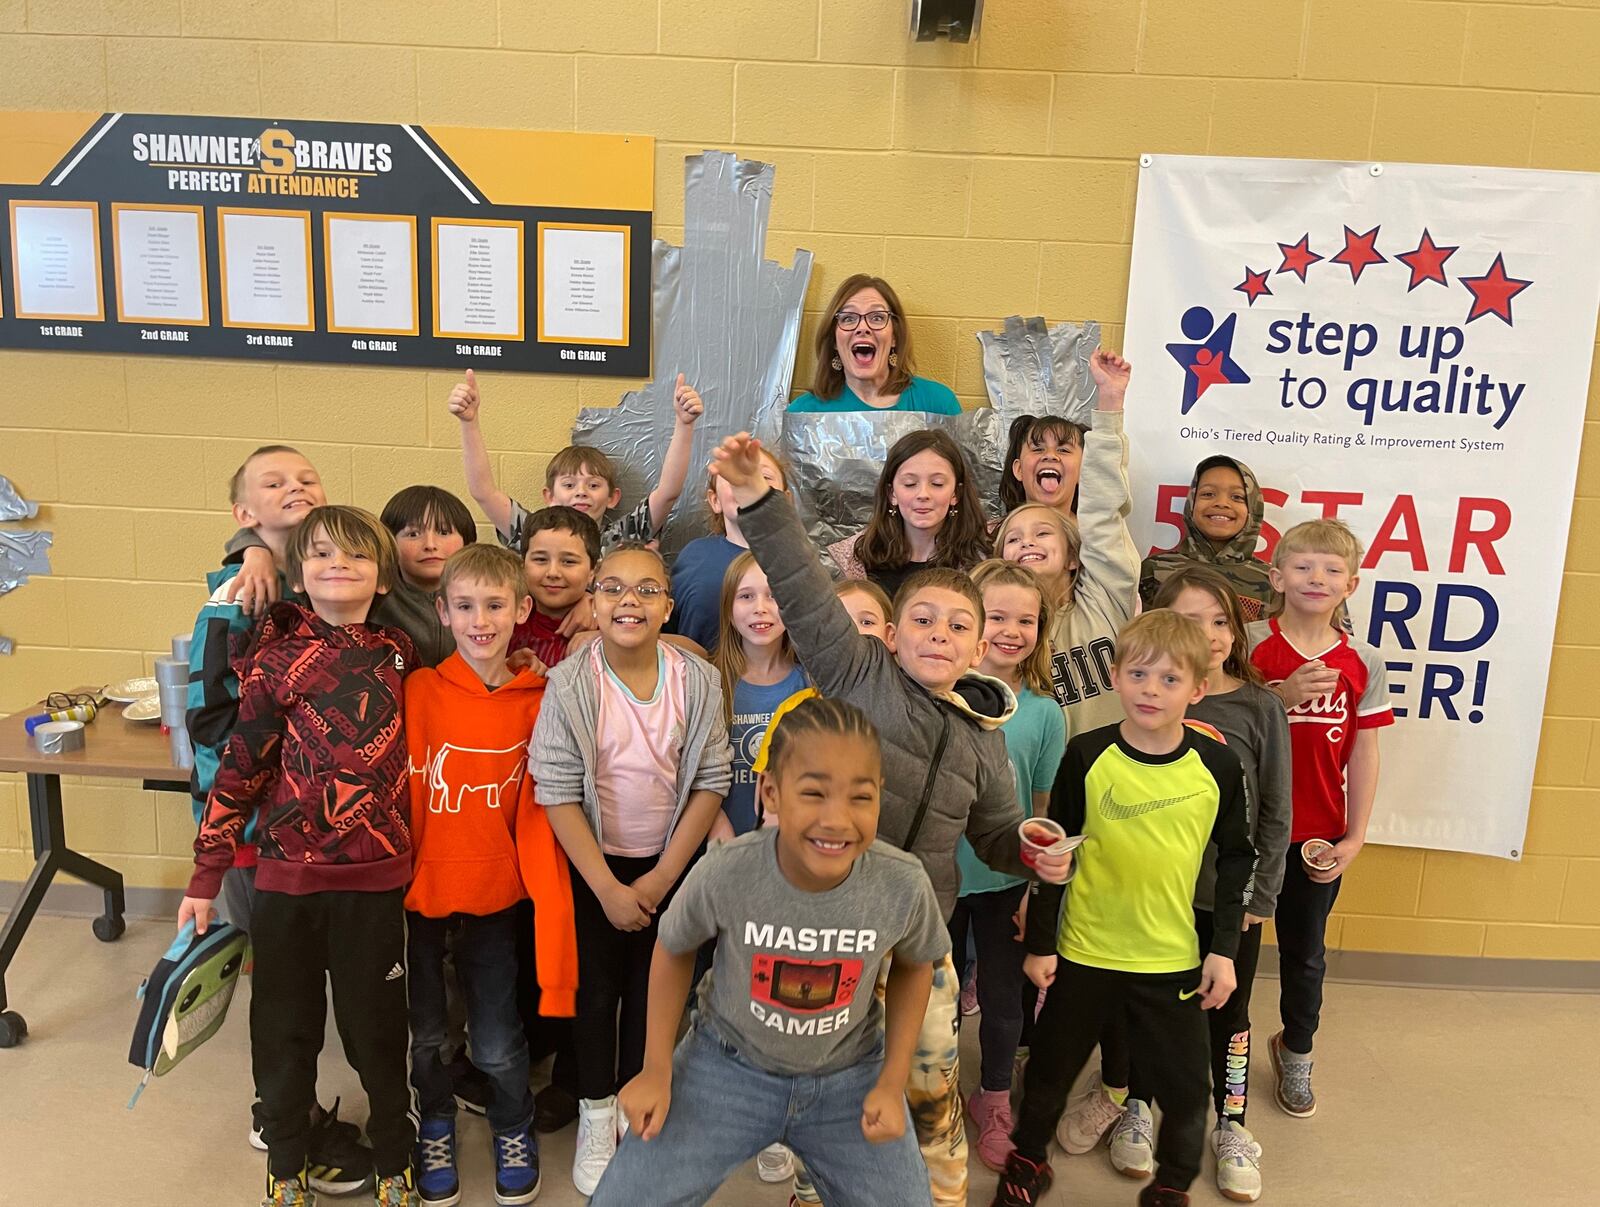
(1406, 348)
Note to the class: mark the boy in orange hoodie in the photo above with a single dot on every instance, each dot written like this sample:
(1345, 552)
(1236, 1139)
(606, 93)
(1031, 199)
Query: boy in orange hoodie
(481, 846)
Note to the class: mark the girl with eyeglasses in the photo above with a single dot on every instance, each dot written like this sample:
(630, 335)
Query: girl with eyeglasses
(864, 360)
(631, 760)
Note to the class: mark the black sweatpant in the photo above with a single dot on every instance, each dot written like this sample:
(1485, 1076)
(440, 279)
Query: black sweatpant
(1302, 926)
(608, 1031)
(358, 942)
(1229, 1026)
(1075, 1012)
(987, 917)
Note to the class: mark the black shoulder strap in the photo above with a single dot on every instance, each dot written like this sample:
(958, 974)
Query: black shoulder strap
(927, 784)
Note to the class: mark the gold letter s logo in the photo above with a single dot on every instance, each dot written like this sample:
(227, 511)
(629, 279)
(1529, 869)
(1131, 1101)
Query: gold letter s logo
(277, 152)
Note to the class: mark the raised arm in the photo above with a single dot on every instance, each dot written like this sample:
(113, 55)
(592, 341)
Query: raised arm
(675, 465)
(1109, 562)
(496, 504)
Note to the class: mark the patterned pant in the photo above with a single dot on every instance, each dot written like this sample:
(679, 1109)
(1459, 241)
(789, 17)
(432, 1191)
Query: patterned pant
(934, 1095)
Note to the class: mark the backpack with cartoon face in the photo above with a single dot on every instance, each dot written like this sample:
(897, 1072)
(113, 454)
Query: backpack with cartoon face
(186, 997)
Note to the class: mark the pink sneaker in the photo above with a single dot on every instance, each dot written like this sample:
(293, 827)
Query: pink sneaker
(991, 1117)
(969, 995)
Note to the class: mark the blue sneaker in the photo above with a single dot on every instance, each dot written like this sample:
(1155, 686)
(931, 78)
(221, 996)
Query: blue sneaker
(516, 1167)
(438, 1184)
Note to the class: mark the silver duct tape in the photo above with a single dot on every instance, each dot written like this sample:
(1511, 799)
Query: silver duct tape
(835, 460)
(58, 737)
(7, 646)
(725, 317)
(1031, 369)
(22, 554)
(12, 505)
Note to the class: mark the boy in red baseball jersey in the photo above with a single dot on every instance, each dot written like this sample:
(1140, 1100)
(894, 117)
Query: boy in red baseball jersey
(1336, 690)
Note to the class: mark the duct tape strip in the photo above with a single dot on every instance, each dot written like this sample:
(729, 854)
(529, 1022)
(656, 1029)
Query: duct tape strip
(726, 317)
(22, 554)
(12, 505)
(7, 646)
(58, 737)
(1029, 369)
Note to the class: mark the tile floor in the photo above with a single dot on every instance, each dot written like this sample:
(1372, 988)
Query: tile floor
(1428, 1097)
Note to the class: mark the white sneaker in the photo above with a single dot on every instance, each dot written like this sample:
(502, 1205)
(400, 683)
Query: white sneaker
(775, 1163)
(597, 1142)
(1087, 1118)
(1132, 1141)
(1238, 1162)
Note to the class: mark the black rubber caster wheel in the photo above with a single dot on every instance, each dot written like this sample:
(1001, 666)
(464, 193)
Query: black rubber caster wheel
(108, 929)
(12, 1029)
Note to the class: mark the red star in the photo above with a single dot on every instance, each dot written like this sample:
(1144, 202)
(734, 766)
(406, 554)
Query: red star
(1208, 371)
(1493, 291)
(1426, 262)
(1359, 251)
(1297, 257)
(1253, 285)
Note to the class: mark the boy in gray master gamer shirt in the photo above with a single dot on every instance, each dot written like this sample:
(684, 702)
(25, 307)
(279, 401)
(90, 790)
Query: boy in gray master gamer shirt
(790, 1041)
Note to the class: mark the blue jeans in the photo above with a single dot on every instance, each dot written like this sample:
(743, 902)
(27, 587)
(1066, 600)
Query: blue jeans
(724, 1111)
(485, 951)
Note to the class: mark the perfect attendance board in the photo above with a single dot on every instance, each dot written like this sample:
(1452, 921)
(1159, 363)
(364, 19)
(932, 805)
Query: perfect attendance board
(346, 242)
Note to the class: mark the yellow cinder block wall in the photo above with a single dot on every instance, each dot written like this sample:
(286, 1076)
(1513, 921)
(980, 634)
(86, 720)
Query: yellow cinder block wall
(983, 180)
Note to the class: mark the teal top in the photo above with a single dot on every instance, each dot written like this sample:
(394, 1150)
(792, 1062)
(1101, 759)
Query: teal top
(923, 394)
(1036, 738)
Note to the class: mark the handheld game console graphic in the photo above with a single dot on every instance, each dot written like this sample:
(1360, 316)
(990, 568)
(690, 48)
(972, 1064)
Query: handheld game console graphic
(803, 985)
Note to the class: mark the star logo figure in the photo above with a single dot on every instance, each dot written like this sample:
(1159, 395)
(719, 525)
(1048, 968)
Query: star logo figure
(1359, 252)
(1426, 262)
(1253, 285)
(1209, 360)
(1297, 257)
(1493, 291)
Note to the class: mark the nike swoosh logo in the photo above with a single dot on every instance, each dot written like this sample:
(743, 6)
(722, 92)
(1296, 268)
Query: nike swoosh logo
(1114, 810)
(1185, 995)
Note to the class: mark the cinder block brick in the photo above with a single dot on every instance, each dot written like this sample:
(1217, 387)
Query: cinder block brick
(180, 546)
(1591, 777)
(1563, 750)
(1308, 120)
(1573, 671)
(853, 32)
(834, 257)
(223, 457)
(29, 460)
(1549, 48)
(1566, 133)
(110, 820)
(793, 183)
(1563, 821)
(379, 471)
(132, 471)
(52, 73)
(1478, 888)
(688, 100)
(618, 27)
(13, 15)
(935, 343)
(740, 29)
(283, 20)
(362, 406)
(1049, 199)
(10, 827)
(136, 615)
(1580, 607)
(1581, 901)
(202, 397)
(1121, 117)
(522, 476)
(893, 194)
(420, 22)
(1388, 41)
(1085, 35)
(185, 75)
(495, 88)
(1081, 281)
(1384, 880)
(969, 357)
(1453, 125)
(155, 871)
(1250, 38)
(139, 18)
(349, 83)
(1514, 940)
(1412, 936)
(34, 671)
(986, 112)
(175, 828)
(605, 392)
(65, 390)
(90, 542)
(1583, 539)
(961, 278)
(520, 412)
(36, 612)
(766, 108)
(1588, 485)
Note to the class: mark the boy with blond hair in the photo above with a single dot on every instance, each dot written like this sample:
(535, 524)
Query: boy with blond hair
(1147, 795)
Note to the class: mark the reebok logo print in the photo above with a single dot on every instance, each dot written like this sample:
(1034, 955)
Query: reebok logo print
(395, 973)
(1114, 810)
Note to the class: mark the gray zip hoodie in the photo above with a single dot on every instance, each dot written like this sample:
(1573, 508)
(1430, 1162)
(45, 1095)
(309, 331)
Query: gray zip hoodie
(943, 756)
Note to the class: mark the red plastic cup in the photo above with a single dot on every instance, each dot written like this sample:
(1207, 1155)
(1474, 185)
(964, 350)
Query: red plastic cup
(1041, 836)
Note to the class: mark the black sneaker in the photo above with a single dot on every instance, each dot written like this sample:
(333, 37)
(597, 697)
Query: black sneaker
(336, 1160)
(1024, 1182)
(1162, 1196)
(553, 1109)
(470, 1085)
(516, 1167)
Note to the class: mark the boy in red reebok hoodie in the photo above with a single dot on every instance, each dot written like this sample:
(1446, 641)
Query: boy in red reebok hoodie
(318, 760)
(481, 846)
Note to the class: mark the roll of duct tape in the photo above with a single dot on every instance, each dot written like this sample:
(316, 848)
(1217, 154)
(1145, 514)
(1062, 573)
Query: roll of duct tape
(172, 670)
(58, 737)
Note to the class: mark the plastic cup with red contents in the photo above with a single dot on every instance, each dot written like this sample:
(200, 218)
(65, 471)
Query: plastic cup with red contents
(1041, 836)
(1318, 854)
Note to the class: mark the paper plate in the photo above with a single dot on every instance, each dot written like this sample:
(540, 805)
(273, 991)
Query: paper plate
(145, 708)
(130, 690)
